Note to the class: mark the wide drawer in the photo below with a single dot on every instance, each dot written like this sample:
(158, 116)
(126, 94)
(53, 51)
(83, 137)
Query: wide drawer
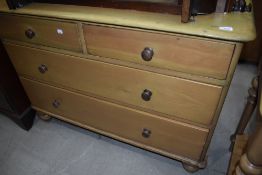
(172, 137)
(195, 56)
(176, 97)
(57, 34)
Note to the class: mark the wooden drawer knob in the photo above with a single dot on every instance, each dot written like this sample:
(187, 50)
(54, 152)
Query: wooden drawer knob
(147, 54)
(42, 68)
(146, 95)
(56, 103)
(29, 33)
(146, 133)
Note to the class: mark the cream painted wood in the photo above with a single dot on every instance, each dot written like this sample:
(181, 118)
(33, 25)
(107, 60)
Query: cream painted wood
(195, 56)
(64, 35)
(208, 26)
(171, 95)
(173, 137)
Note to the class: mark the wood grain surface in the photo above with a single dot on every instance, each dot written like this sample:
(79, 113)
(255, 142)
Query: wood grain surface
(196, 56)
(102, 90)
(171, 95)
(173, 137)
(206, 26)
(46, 32)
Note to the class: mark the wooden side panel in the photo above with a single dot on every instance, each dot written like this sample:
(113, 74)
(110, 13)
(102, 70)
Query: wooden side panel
(173, 137)
(47, 32)
(176, 97)
(195, 56)
(14, 102)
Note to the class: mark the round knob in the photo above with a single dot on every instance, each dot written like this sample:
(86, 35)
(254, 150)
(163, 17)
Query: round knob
(29, 33)
(146, 95)
(56, 103)
(42, 68)
(147, 54)
(146, 133)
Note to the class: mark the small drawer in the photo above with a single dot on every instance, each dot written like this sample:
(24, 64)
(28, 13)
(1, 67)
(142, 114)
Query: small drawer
(173, 96)
(195, 56)
(56, 34)
(175, 138)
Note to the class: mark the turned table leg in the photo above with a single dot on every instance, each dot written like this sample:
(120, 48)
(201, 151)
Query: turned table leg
(251, 162)
(247, 113)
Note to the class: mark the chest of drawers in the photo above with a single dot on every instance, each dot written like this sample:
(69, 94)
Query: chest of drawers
(157, 90)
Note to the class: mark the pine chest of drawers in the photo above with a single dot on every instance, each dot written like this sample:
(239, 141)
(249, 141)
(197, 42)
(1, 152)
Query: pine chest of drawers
(157, 90)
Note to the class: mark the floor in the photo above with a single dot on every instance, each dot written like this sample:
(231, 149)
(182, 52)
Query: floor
(58, 148)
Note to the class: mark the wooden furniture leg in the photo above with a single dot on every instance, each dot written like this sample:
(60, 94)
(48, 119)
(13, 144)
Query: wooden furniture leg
(43, 116)
(247, 113)
(190, 168)
(251, 162)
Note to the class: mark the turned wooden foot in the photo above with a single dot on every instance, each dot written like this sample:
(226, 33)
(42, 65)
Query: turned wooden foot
(190, 168)
(251, 162)
(43, 116)
(245, 167)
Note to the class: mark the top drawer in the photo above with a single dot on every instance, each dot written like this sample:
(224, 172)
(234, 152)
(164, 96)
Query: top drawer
(194, 56)
(57, 34)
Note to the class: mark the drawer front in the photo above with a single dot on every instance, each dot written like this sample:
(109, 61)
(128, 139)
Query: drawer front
(62, 35)
(195, 56)
(170, 95)
(173, 137)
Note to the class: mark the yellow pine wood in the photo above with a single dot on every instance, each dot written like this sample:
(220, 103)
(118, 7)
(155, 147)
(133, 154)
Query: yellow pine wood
(14, 27)
(125, 63)
(204, 25)
(195, 56)
(171, 95)
(170, 136)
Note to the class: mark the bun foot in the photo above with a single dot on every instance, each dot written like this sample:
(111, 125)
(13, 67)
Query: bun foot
(190, 168)
(43, 116)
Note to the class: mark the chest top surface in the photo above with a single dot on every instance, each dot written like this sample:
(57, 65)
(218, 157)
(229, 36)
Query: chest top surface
(233, 26)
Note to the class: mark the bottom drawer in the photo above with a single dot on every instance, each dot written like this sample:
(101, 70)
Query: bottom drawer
(150, 131)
